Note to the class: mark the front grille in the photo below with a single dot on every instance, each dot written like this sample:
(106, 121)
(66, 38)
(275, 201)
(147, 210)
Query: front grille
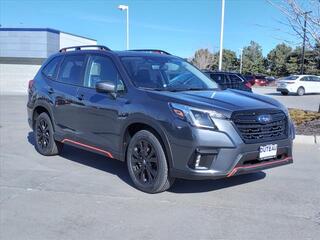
(253, 131)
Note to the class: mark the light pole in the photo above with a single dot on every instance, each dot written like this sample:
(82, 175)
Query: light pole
(304, 41)
(241, 53)
(221, 35)
(126, 8)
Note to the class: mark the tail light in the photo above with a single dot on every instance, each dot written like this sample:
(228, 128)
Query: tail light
(30, 84)
(248, 84)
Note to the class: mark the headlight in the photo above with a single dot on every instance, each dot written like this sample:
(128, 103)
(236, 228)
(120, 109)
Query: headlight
(196, 117)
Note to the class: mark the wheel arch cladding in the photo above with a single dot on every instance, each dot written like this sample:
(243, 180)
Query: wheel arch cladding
(134, 127)
(37, 111)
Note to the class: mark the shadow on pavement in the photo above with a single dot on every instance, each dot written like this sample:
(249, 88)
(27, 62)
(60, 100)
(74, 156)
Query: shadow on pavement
(93, 160)
(120, 169)
(194, 186)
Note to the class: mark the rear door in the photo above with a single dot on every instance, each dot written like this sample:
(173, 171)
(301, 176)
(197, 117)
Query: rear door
(64, 90)
(101, 113)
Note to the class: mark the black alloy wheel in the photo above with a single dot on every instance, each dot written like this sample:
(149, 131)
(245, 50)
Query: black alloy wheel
(43, 134)
(44, 140)
(147, 163)
(144, 162)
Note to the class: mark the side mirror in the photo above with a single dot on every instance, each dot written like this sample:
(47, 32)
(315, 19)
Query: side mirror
(105, 87)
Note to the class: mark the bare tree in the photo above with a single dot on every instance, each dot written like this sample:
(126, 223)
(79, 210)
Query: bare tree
(203, 59)
(296, 11)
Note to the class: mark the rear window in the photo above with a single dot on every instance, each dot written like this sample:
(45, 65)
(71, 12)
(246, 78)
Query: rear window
(72, 69)
(290, 78)
(51, 69)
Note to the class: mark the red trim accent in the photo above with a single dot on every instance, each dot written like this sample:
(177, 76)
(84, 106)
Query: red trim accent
(233, 172)
(87, 146)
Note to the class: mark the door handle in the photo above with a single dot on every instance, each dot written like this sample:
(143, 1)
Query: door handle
(123, 114)
(50, 90)
(80, 97)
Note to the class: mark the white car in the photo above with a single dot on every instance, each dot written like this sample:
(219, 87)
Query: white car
(299, 84)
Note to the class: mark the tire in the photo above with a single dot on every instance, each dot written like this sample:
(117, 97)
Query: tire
(147, 164)
(284, 93)
(301, 91)
(44, 141)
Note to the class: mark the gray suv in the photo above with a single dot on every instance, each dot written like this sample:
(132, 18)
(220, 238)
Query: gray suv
(156, 112)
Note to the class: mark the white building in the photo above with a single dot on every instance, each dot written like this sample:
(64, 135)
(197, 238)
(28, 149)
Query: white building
(23, 50)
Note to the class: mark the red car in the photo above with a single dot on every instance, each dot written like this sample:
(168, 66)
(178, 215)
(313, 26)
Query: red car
(261, 80)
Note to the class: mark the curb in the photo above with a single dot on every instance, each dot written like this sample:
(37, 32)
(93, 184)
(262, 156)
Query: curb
(304, 139)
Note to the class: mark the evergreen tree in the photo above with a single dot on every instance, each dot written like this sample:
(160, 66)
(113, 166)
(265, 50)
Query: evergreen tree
(253, 61)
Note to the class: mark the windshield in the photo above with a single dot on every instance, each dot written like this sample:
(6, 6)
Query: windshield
(290, 78)
(166, 74)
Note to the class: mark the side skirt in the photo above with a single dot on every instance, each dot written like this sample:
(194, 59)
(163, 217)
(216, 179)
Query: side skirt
(87, 147)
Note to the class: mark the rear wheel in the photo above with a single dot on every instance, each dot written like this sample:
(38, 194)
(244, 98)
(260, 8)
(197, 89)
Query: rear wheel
(147, 164)
(45, 143)
(284, 93)
(300, 91)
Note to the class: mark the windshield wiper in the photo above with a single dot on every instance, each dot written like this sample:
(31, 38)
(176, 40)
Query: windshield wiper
(153, 89)
(190, 89)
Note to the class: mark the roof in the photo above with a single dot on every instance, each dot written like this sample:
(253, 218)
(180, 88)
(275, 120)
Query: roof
(219, 72)
(42, 30)
(139, 54)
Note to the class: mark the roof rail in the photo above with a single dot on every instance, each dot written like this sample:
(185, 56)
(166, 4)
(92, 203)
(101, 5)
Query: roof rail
(77, 48)
(151, 51)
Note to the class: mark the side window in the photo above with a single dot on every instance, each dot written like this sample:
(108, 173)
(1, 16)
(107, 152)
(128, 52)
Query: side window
(51, 69)
(219, 78)
(315, 79)
(72, 69)
(235, 79)
(304, 79)
(102, 69)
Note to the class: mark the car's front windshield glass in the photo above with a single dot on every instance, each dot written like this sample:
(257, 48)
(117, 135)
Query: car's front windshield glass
(290, 78)
(166, 74)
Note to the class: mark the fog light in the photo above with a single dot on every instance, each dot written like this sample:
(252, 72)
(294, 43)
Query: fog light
(198, 158)
(202, 159)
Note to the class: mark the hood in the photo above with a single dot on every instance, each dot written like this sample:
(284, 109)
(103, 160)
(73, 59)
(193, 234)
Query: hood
(227, 101)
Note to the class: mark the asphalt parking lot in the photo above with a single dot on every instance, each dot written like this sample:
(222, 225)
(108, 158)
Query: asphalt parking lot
(307, 102)
(81, 195)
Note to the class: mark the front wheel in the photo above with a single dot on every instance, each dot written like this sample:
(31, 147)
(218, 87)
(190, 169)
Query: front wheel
(147, 164)
(45, 143)
(301, 91)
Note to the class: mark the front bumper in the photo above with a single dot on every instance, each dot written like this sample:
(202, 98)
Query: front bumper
(281, 89)
(225, 153)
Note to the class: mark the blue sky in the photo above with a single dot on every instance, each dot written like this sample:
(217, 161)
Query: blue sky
(179, 27)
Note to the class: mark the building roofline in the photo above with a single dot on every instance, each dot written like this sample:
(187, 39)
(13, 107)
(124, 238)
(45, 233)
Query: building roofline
(43, 30)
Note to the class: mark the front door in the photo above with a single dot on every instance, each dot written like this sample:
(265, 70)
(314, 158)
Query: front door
(101, 113)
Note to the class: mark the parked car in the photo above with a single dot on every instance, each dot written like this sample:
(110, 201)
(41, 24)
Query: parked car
(299, 84)
(270, 80)
(261, 80)
(157, 113)
(250, 78)
(229, 80)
